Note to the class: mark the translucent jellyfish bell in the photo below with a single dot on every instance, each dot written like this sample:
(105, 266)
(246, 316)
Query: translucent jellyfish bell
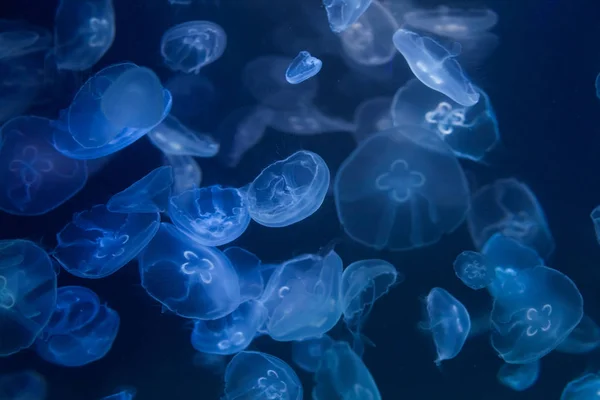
(529, 323)
(307, 354)
(83, 32)
(255, 375)
(303, 67)
(81, 330)
(27, 294)
(471, 132)
(452, 22)
(583, 388)
(189, 279)
(172, 137)
(473, 269)
(435, 66)
(212, 215)
(401, 189)
(192, 45)
(187, 174)
(519, 377)
(583, 339)
(35, 177)
(307, 120)
(343, 13)
(449, 323)
(23, 385)
(372, 116)
(18, 38)
(248, 267)
(148, 195)
(288, 190)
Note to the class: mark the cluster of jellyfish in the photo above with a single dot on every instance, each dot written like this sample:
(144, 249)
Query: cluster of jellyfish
(401, 188)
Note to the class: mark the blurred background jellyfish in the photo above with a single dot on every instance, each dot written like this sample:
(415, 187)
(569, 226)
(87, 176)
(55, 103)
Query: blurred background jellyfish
(303, 67)
(529, 323)
(372, 116)
(582, 388)
(189, 279)
(509, 207)
(473, 270)
(113, 109)
(307, 354)
(307, 120)
(97, 243)
(23, 385)
(172, 137)
(187, 174)
(288, 190)
(449, 323)
(27, 294)
(150, 194)
(83, 32)
(192, 45)
(343, 13)
(212, 216)
(519, 377)
(126, 393)
(255, 375)
(471, 132)
(81, 329)
(35, 177)
(195, 98)
(401, 189)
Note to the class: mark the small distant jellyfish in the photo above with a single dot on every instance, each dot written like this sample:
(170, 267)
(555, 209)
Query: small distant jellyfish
(190, 46)
(343, 13)
(519, 377)
(472, 268)
(585, 387)
(449, 323)
(303, 67)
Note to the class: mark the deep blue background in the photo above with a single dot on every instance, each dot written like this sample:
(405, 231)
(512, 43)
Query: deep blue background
(541, 82)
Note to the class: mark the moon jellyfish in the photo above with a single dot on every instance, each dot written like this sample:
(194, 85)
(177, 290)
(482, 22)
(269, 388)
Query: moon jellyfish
(172, 137)
(368, 41)
(401, 189)
(519, 377)
(307, 354)
(248, 268)
(303, 67)
(473, 270)
(452, 22)
(189, 279)
(435, 66)
(343, 375)
(81, 330)
(255, 375)
(372, 116)
(471, 132)
(212, 215)
(232, 333)
(192, 45)
(27, 294)
(83, 32)
(583, 339)
(509, 207)
(97, 243)
(343, 13)
(35, 177)
(289, 190)
(529, 323)
(449, 323)
(18, 38)
(585, 387)
(307, 120)
(23, 385)
(187, 174)
(148, 195)
(127, 393)
(113, 109)
(301, 297)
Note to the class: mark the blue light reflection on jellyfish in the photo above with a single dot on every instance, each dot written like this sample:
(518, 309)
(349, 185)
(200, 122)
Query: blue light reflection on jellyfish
(529, 323)
(97, 243)
(519, 377)
(18, 38)
(343, 13)
(172, 137)
(150, 194)
(473, 270)
(452, 22)
(303, 67)
(256, 375)
(189, 279)
(248, 267)
(23, 385)
(583, 388)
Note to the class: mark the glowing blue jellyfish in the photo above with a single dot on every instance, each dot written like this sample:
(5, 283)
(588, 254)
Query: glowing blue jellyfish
(27, 294)
(343, 375)
(519, 377)
(18, 38)
(148, 195)
(472, 268)
(35, 177)
(23, 385)
(471, 132)
(192, 45)
(232, 333)
(301, 297)
(307, 354)
(127, 393)
(83, 32)
(212, 215)
(452, 22)
(435, 66)
(583, 339)
(509, 207)
(401, 189)
(343, 13)
(81, 330)
(248, 268)
(303, 67)
(113, 109)
(529, 323)
(172, 137)
(372, 116)
(288, 190)
(187, 174)
(449, 323)
(255, 375)
(187, 278)
(585, 387)
(307, 120)
(97, 243)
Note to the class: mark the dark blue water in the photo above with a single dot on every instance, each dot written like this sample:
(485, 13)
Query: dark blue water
(541, 82)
